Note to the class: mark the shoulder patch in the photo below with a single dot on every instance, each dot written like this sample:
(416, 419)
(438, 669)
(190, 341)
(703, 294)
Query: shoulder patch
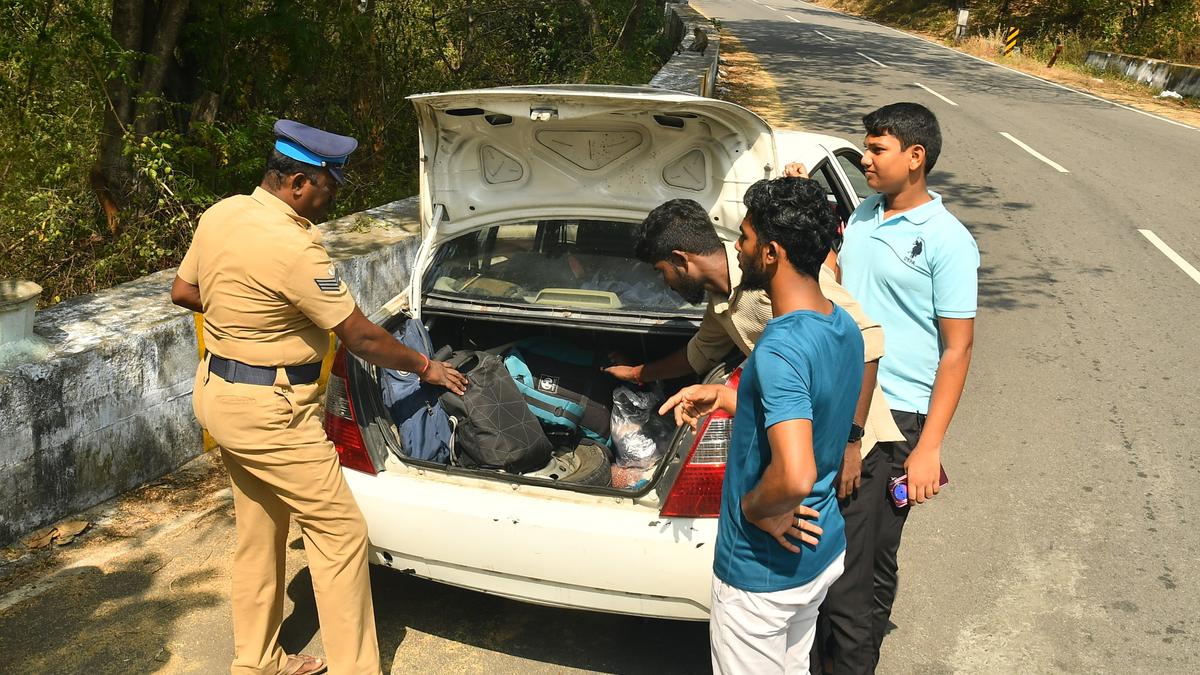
(330, 284)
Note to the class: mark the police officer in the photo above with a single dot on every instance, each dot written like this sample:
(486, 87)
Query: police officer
(270, 294)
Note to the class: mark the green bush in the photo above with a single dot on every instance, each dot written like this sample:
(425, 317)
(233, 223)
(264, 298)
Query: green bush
(345, 65)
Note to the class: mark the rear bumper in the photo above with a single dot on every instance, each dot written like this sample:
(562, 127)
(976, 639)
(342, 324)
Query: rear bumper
(538, 545)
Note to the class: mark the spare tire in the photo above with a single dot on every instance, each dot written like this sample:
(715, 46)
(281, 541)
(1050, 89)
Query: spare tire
(594, 467)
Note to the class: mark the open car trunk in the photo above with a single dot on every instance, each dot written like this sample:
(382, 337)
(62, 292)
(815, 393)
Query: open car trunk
(573, 465)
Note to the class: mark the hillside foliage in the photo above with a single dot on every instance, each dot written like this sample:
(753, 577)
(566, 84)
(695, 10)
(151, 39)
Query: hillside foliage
(121, 120)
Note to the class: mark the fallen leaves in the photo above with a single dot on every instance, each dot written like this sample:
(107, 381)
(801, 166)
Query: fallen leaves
(61, 534)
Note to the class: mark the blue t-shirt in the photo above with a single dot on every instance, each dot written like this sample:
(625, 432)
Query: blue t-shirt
(906, 272)
(809, 366)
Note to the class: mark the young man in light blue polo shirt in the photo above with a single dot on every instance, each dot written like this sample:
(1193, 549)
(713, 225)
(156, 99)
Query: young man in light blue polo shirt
(914, 268)
(793, 409)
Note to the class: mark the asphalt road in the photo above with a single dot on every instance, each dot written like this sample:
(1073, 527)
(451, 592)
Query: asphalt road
(1067, 539)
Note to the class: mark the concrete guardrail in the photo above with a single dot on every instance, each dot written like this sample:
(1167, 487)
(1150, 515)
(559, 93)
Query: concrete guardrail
(1161, 75)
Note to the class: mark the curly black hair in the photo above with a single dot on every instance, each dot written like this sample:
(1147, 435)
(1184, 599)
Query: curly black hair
(794, 213)
(677, 225)
(911, 123)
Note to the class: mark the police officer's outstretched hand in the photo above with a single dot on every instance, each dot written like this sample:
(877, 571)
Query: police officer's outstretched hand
(375, 345)
(444, 375)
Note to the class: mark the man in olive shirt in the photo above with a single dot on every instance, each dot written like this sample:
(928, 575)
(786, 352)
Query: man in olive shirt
(270, 295)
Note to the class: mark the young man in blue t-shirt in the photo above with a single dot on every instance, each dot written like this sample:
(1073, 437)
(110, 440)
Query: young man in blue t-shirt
(792, 414)
(913, 266)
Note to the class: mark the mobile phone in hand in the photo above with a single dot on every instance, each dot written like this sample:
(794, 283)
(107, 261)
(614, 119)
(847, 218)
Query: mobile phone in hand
(898, 488)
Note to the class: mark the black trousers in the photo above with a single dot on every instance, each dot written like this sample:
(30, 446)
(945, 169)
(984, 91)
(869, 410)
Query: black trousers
(856, 612)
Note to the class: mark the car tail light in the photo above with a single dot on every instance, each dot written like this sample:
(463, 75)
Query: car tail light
(697, 489)
(341, 425)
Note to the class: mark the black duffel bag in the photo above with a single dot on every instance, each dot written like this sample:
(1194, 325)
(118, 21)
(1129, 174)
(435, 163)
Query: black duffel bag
(495, 429)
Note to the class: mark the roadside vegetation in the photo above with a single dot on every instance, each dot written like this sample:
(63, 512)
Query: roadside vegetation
(122, 120)
(1161, 29)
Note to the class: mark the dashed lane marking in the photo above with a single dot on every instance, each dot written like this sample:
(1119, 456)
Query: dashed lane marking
(1172, 255)
(881, 65)
(935, 93)
(1058, 167)
(824, 36)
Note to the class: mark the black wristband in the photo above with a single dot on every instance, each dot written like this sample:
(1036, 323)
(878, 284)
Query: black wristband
(856, 433)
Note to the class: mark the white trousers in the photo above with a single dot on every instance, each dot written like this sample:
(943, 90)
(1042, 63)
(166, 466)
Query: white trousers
(766, 632)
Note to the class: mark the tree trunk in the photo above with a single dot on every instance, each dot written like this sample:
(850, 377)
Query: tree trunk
(110, 177)
(146, 32)
(589, 13)
(625, 39)
(163, 38)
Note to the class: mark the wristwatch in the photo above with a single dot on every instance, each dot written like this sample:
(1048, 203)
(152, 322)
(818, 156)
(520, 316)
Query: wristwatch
(856, 433)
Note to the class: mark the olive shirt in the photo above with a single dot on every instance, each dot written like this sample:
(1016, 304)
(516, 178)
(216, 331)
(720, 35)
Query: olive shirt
(739, 320)
(269, 291)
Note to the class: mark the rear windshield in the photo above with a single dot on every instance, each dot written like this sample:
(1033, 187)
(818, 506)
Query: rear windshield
(581, 264)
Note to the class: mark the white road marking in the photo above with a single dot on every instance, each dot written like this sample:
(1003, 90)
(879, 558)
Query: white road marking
(793, 18)
(770, 8)
(824, 35)
(881, 65)
(1012, 70)
(935, 93)
(1172, 255)
(1035, 153)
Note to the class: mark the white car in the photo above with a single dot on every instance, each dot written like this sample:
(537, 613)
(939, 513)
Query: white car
(528, 200)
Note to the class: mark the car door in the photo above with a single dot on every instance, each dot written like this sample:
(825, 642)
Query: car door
(843, 192)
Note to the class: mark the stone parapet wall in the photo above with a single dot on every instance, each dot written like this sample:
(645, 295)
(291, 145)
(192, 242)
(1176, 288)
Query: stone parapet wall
(1162, 75)
(100, 400)
(689, 71)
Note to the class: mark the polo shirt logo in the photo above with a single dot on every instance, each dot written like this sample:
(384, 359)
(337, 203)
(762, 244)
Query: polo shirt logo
(917, 247)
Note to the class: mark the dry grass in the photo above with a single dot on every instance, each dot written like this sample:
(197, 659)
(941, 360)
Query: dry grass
(745, 82)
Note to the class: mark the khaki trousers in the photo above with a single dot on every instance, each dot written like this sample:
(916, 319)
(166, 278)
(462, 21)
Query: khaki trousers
(281, 464)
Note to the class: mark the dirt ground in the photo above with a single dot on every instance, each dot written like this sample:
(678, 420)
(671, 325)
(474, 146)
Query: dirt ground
(197, 487)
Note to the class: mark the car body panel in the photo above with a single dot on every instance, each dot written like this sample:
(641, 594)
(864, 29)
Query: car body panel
(541, 545)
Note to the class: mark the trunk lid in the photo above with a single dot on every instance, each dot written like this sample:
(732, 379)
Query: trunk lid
(600, 152)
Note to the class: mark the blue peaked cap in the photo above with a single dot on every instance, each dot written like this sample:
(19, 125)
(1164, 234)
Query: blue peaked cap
(313, 146)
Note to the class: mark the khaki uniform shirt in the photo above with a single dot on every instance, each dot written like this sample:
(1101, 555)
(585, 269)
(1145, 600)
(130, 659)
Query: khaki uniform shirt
(739, 320)
(269, 290)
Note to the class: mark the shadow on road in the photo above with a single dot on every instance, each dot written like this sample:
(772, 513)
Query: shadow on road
(98, 621)
(559, 637)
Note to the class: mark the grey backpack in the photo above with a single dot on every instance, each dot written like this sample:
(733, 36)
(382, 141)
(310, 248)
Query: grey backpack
(495, 428)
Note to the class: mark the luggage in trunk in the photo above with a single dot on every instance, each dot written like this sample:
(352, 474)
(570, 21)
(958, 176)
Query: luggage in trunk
(494, 428)
(563, 385)
(420, 419)
(574, 359)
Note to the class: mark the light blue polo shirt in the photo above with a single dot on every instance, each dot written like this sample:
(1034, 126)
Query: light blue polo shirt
(907, 271)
